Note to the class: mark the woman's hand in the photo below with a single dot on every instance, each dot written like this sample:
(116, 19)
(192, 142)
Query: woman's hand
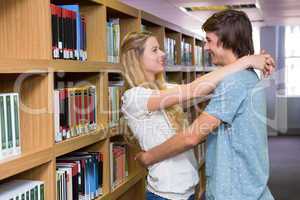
(141, 157)
(263, 62)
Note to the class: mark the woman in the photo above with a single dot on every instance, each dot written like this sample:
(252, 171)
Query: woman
(153, 113)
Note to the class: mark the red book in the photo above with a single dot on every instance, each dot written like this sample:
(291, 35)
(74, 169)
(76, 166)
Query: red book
(77, 109)
(72, 111)
(86, 107)
(64, 33)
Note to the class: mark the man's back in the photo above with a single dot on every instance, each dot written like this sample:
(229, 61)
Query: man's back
(237, 163)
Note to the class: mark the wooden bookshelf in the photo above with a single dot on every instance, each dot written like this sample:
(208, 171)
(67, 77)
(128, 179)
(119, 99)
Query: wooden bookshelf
(79, 142)
(27, 67)
(16, 164)
(125, 186)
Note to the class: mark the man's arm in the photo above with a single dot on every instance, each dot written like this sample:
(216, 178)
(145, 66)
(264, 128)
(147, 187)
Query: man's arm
(204, 85)
(183, 141)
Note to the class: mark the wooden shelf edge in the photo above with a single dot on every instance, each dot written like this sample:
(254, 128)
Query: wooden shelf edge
(121, 189)
(180, 68)
(44, 66)
(23, 66)
(79, 142)
(113, 131)
(23, 162)
(169, 25)
(86, 66)
(205, 69)
(122, 7)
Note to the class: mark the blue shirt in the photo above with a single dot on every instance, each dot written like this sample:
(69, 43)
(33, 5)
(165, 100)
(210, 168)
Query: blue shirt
(237, 162)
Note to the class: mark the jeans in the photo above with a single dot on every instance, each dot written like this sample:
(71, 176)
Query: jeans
(152, 196)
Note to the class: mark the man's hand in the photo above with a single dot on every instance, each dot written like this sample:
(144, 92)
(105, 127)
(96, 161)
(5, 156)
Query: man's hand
(141, 157)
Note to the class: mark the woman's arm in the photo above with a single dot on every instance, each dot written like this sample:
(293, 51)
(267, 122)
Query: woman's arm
(207, 83)
(183, 141)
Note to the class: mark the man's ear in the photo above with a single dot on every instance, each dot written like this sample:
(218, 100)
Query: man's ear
(219, 43)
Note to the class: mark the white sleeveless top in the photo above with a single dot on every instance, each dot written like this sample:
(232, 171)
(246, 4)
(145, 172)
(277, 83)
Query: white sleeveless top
(174, 178)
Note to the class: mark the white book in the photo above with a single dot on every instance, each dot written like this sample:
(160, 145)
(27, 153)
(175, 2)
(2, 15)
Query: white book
(9, 124)
(57, 134)
(17, 122)
(14, 100)
(60, 185)
(66, 167)
(5, 146)
(112, 181)
(19, 188)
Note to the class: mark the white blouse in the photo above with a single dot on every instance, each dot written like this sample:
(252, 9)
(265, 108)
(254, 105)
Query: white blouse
(174, 178)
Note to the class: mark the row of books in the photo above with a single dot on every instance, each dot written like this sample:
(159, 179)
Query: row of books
(198, 55)
(79, 176)
(186, 53)
(170, 50)
(22, 189)
(113, 40)
(68, 32)
(9, 125)
(118, 163)
(75, 112)
(114, 104)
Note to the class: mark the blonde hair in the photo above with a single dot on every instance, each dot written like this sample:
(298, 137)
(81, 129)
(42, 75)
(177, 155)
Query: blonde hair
(132, 49)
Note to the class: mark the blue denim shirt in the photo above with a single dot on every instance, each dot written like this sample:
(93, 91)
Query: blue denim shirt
(237, 162)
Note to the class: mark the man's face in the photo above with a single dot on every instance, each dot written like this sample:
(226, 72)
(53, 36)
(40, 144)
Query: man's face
(215, 48)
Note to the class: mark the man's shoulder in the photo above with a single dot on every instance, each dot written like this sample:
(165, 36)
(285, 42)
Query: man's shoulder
(238, 79)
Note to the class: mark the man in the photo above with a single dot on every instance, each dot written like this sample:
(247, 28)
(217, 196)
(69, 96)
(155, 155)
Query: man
(237, 163)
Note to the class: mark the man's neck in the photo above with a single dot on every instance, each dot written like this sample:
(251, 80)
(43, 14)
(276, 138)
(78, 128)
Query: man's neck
(229, 58)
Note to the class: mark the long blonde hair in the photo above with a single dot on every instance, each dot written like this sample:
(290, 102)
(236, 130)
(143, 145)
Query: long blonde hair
(132, 49)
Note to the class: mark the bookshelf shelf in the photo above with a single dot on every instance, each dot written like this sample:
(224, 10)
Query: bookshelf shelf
(9, 66)
(101, 2)
(122, 188)
(23, 162)
(86, 66)
(113, 131)
(79, 142)
(205, 69)
(116, 6)
(180, 68)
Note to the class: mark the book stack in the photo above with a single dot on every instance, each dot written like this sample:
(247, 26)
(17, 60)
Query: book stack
(114, 101)
(68, 32)
(75, 112)
(198, 56)
(79, 176)
(170, 50)
(9, 125)
(186, 53)
(118, 163)
(22, 189)
(113, 40)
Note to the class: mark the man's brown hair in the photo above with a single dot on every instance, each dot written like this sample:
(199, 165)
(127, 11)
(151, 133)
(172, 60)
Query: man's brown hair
(233, 29)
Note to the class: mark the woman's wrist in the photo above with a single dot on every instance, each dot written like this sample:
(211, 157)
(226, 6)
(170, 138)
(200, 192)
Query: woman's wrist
(243, 62)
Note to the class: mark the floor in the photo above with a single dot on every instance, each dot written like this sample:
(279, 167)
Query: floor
(285, 167)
